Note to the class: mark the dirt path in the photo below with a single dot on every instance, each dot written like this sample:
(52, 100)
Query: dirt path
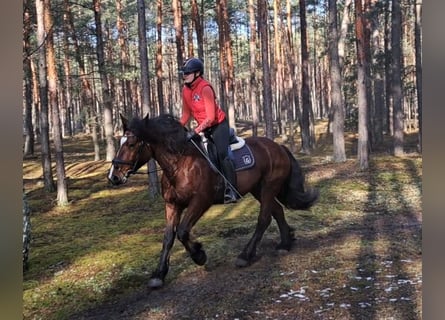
(285, 286)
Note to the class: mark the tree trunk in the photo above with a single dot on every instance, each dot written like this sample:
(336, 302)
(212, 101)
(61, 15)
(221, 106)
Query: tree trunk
(197, 20)
(362, 151)
(253, 69)
(306, 137)
(153, 179)
(336, 93)
(44, 123)
(267, 83)
(159, 72)
(179, 34)
(396, 77)
(124, 89)
(28, 148)
(143, 59)
(418, 50)
(106, 95)
(62, 192)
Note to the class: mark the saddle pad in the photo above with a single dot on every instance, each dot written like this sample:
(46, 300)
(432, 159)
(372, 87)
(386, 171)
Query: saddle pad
(242, 158)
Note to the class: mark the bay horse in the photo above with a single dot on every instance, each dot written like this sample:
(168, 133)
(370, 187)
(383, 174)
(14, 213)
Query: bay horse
(190, 185)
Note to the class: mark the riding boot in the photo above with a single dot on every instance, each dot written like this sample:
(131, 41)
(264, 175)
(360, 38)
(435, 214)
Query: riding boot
(228, 169)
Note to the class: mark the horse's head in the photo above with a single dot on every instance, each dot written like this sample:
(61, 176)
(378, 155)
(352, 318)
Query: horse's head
(132, 154)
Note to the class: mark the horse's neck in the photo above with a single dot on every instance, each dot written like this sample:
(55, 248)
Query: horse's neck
(166, 160)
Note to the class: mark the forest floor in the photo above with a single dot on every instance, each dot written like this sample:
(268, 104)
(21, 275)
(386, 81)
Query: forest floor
(357, 253)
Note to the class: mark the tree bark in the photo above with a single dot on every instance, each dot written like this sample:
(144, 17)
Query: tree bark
(62, 192)
(153, 179)
(336, 93)
(159, 71)
(396, 77)
(362, 151)
(179, 34)
(197, 21)
(306, 136)
(267, 83)
(28, 148)
(44, 123)
(253, 69)
(418, 50)
(106, 95)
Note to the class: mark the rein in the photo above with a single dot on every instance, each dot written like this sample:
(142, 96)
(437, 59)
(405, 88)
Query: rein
(215, 168)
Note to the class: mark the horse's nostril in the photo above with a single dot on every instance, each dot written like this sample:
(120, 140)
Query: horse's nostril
(114, 179)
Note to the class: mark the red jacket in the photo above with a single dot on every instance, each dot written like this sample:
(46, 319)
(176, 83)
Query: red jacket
(199, 101)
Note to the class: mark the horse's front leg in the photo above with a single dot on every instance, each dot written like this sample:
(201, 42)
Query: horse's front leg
(172, 214)
(194, 212)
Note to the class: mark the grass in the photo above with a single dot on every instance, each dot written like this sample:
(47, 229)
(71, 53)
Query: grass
(357, 252)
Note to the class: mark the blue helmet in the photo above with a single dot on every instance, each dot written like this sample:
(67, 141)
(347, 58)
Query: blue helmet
(193, 65)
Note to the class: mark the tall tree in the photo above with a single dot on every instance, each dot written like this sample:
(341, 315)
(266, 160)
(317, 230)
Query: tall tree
(159, 71)
(28, 148)
(267, 83)
(396, 77)
(43, 96)
(336, 93)
(124, 90)
(197, 21)
(253, 69)
(307, 137)
(62, 192)
(418, 51)
(153, 179)
(179, 34)
(143, 58)
(362, 102)
(106, 95)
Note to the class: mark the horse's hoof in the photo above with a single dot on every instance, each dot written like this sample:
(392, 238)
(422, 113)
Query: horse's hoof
(155, 283)
(200, 258)
(241, 263)
(283, 248)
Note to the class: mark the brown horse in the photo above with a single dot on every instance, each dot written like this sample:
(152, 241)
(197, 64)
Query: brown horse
(190, 182)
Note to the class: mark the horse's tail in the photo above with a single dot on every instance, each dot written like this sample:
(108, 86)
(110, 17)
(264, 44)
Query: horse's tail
(292, 194)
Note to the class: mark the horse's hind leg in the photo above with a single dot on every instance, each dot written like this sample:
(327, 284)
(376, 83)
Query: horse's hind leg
(264, 220)
(286, 232)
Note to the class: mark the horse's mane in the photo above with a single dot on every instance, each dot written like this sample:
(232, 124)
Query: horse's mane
(164, 129)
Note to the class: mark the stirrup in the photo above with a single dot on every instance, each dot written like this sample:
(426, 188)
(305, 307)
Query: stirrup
(230, 196)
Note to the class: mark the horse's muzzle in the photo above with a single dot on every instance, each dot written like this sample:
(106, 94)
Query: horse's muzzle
(115, 180)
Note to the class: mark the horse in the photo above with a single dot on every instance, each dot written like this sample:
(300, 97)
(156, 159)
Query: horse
(190, 182)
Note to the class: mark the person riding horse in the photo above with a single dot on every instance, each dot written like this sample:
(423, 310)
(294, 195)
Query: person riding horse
(199, 102)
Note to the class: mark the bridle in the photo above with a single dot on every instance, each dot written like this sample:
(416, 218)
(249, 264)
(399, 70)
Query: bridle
(116, 162)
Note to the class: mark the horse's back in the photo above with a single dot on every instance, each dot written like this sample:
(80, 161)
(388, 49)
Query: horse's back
(270, 158)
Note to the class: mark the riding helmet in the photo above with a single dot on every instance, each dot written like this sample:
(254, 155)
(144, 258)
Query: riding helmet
(193, 65)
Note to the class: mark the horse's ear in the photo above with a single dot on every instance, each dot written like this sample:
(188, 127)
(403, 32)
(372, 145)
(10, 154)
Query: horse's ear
(124, 122)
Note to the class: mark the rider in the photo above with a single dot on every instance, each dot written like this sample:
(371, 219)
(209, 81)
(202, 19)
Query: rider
(199, 101)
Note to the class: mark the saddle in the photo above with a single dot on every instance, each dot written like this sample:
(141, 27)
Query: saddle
(239, 152)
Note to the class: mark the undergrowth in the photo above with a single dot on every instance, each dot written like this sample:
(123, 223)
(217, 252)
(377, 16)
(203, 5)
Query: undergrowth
(357, 252)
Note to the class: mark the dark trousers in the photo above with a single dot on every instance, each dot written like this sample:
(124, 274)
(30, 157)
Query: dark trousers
(220, 135)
